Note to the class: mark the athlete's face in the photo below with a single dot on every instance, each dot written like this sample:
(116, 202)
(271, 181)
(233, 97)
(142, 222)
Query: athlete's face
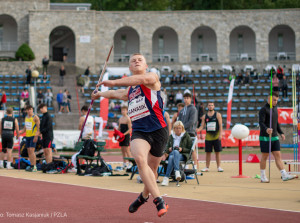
(210, 106)
(29, 112)
(274, 100)
(137, 64)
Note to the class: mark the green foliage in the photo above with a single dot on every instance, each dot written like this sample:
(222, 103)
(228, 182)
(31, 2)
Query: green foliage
(25, 53)
(156, 5)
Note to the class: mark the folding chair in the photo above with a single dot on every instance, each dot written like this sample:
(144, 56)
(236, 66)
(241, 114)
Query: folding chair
(190, 160)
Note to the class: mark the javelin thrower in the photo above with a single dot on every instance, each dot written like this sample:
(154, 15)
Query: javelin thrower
(95, 91)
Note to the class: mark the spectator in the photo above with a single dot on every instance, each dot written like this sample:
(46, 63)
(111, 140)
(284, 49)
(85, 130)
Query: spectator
(45, 63)
(167, 80)
(65, 53)
(200, 109)
(25, 95)
(284, 87)
(62, 73)
(44, 78)
(28, 75)
(64, 103)
(174, 79)
(280, 72)
(178, 148)
(272, 71)
(69, 100)
(175, 116)
(188, 116)
(40, 97)
(48, 98)
(182, 78)
(179, 97)
(22, 107)
(86, 77)
(275, 82)
(171, 99)
(59, 99)
(247, 79)
(3, 100)
(239, 79)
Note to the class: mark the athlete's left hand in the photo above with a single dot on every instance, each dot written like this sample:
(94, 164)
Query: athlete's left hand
(35, 139)
(282, 137)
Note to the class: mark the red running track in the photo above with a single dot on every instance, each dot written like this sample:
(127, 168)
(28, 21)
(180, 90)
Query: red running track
(62, 203)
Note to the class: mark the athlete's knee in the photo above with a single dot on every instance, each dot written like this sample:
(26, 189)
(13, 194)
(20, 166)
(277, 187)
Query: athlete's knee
(4, 150)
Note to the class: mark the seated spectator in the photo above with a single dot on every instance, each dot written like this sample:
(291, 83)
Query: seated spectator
(44, 78)
(182, 78)
(171, 99)
(40, 97)
(179, 97)
(25, 95)
(247, 79)
(275, 82)
(22, 107)
(174, 79)
(280, 72)
(239, 79)
(111, 105)
(178, 148)
(167, 80)
(48, 98)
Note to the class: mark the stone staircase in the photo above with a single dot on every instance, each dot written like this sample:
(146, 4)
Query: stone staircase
(66, 121)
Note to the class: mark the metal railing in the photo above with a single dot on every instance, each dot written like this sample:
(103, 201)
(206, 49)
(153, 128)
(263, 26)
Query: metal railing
(282, 56)
(9, 46)
(204, 57)
(166, 57)
(242, 57)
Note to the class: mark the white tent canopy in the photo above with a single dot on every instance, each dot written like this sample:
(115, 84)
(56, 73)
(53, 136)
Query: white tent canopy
(118, 71)
(248, 67)
(227, 68)
(296, 67)
(154, 70)
(206, 68)
(270, 66)
(186, 68)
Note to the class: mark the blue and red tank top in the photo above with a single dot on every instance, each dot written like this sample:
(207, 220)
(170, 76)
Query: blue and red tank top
(145, 109)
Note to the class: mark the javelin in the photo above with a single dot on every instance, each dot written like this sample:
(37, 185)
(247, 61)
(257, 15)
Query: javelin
(95, 91)
(270, 136)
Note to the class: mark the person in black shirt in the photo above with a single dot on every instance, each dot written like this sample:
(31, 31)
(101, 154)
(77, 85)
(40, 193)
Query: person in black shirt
(264, 138)
(46, 130)
(28, 75)
(8, 125)
(62, 73)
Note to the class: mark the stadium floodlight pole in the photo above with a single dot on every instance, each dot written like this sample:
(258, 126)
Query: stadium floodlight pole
(95, 91)
(270, 136)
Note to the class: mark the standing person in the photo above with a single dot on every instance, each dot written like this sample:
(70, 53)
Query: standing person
(28, 75)
(212, 121)
(264, 137)
(86, 77)
(284, 87)
(89, 125)
(125, 127)
(188, 116)
(45, 63)
(8, 125)
(64, 103)
(62, 73)
(69, 100)
(3, 100)
(32, 129)
(59, 99)
(150, 133)
(46, 130)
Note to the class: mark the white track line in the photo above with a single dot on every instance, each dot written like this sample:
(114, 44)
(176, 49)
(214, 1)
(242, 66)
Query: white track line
(217, 202)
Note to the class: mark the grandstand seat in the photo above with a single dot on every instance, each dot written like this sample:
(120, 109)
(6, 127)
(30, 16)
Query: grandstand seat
(251, 87)
(204, 76)
(14, 82)
(234, 115)
(213, 88)
(20, 82)
(254, 81)
(262, 81)
(220, 100)
(257, 94)
(203, 82)
(168, 88)
(259, 87)
(173, 109)
(218, 94)
(258, 108)
(204, 100)
(197, 88)
(255, 124)
(196, 82)
(220, 87)
(244, 87)
(48, 87)
(226, 94)
(285, 99)
(266, 87)
(218, 75)
(197, 76)
(242, 109)
(251, 108)
(210, 81)
(6, 87)
(21, 76)
(182, 88)
(7, 82)
(217, 81)
(261, 100)
(1, 82)
(210, 94)
(234, 94)
(243, 116)
(166, 108)
(249, 94)
(224, 116)
(248, 124)
(236, 100)
(242, 94)
(252, 100)
(251, 115)
(202, 94)
(265, 94)
(224, 108)
(176, 88)
(234, 108)
(204, 88)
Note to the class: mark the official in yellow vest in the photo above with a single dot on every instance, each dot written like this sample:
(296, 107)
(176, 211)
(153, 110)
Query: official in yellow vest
(32, 129)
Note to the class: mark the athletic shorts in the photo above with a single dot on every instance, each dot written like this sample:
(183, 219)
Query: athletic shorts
(7, 142)
(264, 146)
(30, 143)
(46, 143)
(126, 141)
(209, 144)
(157, 140)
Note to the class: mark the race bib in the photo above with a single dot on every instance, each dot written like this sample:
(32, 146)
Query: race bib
(211, 126)
(28, 125)
(8, 125)
(138, 109)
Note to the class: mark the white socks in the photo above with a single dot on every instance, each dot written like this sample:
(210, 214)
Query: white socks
(1, 163)
(263, 173)
(283, 173)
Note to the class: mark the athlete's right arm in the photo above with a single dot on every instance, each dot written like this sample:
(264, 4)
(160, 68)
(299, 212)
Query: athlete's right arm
(112, 94)
(17, 128)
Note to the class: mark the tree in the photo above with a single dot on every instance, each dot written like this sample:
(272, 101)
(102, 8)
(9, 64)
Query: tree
(25, 53)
